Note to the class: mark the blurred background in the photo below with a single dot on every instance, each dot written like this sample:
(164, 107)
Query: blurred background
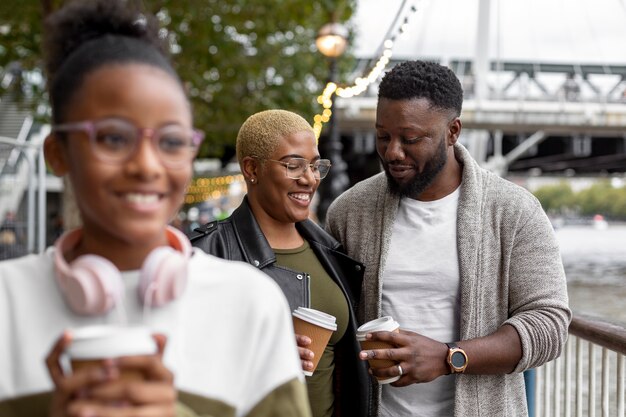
(545, 107)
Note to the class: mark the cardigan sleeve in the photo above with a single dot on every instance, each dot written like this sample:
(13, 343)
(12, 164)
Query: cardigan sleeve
(538, 302)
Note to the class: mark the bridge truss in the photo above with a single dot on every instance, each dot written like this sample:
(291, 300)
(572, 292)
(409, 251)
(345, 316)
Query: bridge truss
(537, 117)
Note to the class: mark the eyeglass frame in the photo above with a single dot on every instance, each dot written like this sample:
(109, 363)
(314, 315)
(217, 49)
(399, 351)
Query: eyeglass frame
(89, 127)
(309, 166)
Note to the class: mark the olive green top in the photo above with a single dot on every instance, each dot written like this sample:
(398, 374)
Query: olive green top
(326, 296)
(277, 403)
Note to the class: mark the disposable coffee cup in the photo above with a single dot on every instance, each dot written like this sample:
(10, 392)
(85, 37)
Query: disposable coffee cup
(318, 326)
(382, 324)
(91, 345)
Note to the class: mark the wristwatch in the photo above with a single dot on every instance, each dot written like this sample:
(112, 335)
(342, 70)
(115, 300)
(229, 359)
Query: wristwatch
(457, 359)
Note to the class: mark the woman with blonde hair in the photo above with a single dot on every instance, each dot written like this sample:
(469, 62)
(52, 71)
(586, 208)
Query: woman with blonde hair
(271, 229)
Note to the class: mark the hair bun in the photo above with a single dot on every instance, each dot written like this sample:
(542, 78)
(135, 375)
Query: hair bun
(82, 21)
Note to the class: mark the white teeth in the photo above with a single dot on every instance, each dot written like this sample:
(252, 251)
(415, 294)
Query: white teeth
(142, 198)
(303, 197)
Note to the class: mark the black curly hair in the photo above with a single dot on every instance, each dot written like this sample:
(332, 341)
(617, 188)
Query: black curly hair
(86, 35)
(422, 79)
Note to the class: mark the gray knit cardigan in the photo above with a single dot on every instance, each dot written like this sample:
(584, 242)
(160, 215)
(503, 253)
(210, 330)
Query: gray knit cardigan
(510, 270)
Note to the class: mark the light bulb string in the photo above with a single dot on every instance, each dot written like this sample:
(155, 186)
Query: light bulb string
(360, 83)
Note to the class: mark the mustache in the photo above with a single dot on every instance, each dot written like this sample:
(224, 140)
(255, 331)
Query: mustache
(397, 163)
(400, 164)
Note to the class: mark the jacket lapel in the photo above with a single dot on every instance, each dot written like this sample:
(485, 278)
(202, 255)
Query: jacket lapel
(387, 205)
(469, 234)
(254, 246)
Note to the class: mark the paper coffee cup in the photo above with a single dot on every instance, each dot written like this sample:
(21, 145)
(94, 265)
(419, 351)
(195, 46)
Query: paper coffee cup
(318, 326)
(382, 324)
(91, 345)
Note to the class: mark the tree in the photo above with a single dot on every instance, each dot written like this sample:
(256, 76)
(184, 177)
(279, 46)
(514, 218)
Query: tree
(556, 198)
(236, 57)
(600, 198)
(20, 56)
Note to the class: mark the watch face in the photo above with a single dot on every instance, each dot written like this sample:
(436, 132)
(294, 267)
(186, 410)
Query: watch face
(457, 360)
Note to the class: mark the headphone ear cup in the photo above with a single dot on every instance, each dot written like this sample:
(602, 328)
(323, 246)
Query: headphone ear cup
(93, 286)
(163, 276)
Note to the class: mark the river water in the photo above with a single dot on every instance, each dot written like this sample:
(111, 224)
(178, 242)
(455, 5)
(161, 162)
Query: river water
(595, 266)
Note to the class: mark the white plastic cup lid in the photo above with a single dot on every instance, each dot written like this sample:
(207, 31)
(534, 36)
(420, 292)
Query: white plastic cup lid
(98, 342)
(319, 318)
(382, 324)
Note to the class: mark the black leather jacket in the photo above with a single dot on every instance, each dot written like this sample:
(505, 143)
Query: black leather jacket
(240, 238)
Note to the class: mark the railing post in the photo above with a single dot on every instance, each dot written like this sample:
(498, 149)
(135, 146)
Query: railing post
(530, 378)
(592, 381)
(620, 385)
(579, 377)
(30, 202)
(540, 377)
(41, 206)
(604, 388)
(568, 377)
(557, 387)
(547, 388)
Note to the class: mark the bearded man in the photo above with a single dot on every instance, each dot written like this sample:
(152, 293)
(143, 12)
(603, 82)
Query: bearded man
(464, 260)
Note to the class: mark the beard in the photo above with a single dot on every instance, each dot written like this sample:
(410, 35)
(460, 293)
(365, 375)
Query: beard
(422, 180)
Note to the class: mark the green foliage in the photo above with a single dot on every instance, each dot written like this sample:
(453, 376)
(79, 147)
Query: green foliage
(236, 57)
(600, 198)
(20, 41)
(556, 198)
(604, 199)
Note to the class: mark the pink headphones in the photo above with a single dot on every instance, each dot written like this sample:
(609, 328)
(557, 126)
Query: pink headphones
(93, 285)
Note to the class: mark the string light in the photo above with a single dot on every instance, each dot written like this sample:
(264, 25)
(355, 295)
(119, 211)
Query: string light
(362, 83)
(203, 189)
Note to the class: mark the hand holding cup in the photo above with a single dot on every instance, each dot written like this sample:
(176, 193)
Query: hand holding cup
(318, 327)
(306, 354)
(103, 382)
(382, 324)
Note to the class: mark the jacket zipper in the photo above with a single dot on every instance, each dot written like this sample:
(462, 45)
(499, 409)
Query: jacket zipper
(307, 277)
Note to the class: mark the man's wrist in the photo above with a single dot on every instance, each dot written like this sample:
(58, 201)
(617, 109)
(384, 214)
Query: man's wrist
(446, 367)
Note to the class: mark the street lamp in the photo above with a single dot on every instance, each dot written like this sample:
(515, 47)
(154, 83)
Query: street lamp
(332, 40)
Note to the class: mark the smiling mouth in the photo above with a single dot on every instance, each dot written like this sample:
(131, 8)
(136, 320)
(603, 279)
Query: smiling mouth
(399, 171)
(142, 199)
(304, 197)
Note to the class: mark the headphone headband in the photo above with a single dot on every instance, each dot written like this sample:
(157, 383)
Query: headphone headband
(92, 284)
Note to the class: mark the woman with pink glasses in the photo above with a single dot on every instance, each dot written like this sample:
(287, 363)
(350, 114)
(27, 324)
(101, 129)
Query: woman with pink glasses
(122, 132)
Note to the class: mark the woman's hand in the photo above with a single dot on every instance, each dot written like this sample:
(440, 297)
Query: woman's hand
(306, 355)
(102, 391)
(71, 387)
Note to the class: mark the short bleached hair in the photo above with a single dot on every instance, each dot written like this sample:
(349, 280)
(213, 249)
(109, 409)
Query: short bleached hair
(262, 132)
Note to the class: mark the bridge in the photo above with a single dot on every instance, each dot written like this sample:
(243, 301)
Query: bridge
(535, 117)
(555, 114)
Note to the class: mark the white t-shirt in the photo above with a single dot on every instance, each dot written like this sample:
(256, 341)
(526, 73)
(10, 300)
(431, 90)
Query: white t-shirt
(421, 290)
(229, 336)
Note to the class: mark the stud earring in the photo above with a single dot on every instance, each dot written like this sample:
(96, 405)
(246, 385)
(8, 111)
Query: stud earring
(252, 180)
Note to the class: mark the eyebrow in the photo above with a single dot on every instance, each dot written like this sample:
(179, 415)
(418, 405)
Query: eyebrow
(403, 129)
(300, 157)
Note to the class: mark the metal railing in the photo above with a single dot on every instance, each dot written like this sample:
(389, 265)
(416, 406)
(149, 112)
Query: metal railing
(568, 386)
(27, 177)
